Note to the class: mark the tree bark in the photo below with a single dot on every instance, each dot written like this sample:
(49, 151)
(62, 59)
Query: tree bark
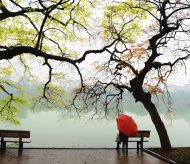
(157, 121)
(159, 125)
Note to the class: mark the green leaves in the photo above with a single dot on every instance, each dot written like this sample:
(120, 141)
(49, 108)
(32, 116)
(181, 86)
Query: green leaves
(9, 108)
(57, 31)
(53, 97)
(124, 20)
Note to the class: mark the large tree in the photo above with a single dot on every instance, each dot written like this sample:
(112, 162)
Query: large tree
(142, 66)
(137, 56)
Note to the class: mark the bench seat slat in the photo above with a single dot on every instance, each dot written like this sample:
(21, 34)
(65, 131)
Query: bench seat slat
(138, 138)
(24, 140)
(132, 141)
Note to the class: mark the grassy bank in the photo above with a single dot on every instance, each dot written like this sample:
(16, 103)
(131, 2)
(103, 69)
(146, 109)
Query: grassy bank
(181, 155)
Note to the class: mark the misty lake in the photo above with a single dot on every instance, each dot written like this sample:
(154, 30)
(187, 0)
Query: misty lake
(49, 129)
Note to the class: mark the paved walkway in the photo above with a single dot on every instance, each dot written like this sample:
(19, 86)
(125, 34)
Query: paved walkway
(76, 156)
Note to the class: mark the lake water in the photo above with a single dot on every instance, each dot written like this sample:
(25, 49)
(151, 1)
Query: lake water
(49, 129)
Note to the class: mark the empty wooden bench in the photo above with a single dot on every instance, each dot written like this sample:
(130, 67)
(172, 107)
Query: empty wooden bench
(18, 136)
(138, 138)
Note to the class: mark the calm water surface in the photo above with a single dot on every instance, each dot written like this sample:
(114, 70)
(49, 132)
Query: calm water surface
(48, 129)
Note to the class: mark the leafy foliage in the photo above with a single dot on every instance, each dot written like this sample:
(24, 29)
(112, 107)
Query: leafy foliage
(48, 27)
(124, 20)
(9, 103)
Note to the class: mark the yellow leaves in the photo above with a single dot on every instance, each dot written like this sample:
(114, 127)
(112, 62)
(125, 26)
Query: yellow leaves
(5, 71)
(20, 100)
(119, 16)
(63, 26)
(14, 31)
(53, 97)
(12, 97)
(9, 109)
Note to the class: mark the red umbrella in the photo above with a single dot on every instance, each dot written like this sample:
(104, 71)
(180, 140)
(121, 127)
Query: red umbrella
(126, 125)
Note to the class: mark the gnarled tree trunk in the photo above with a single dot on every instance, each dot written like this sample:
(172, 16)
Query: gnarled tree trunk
(145, 99)
(159, 125)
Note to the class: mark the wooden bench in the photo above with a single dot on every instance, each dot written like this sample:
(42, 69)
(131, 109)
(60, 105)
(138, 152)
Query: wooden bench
(18, 136)
(138, 138)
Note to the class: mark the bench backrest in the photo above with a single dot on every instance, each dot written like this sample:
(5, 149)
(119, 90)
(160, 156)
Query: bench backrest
(142, 133)
(14, 133)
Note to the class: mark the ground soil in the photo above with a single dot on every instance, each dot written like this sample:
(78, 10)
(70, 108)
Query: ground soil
(181, 155)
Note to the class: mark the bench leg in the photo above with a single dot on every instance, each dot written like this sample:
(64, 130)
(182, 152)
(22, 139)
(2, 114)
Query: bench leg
(3, 146)
(138, 144)
(118, 143)
(126, 146)
(123, 146)
(141, 147)
(20, 147)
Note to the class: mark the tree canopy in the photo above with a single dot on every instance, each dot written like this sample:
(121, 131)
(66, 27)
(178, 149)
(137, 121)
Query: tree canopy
(139, 45)
(41, 33)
